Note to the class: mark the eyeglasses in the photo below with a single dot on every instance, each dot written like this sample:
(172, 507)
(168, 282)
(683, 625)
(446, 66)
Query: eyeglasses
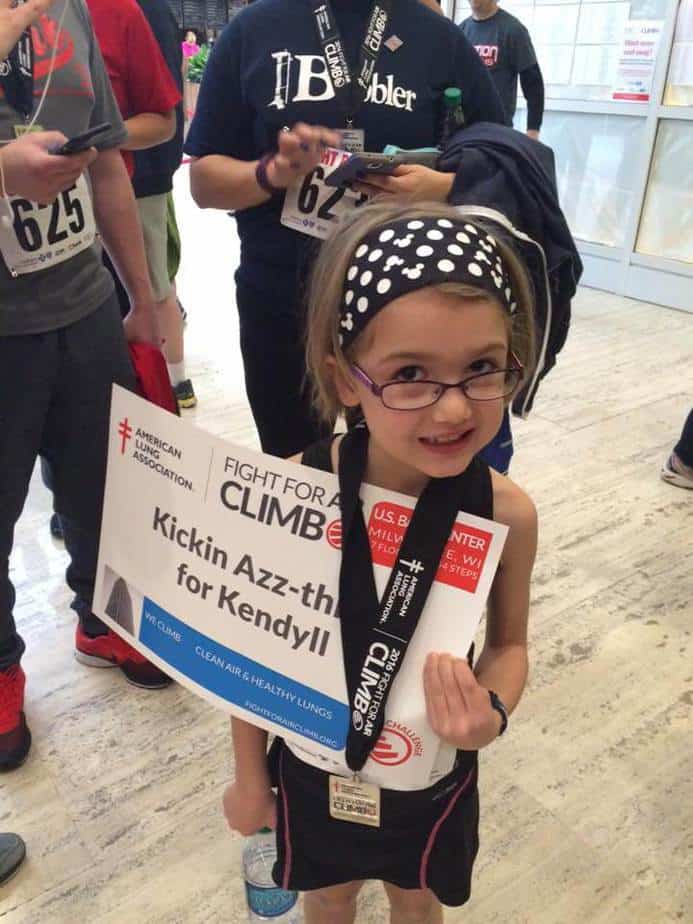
(412, 396)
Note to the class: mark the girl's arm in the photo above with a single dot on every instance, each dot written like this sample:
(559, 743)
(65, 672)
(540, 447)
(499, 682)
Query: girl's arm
(249, 802)
(458, 705)
(502, 665)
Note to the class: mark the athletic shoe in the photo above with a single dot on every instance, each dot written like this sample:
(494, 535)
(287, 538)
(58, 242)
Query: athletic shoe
(111, 651)
(12, 853)
(670, 475)
(15, 737)
(56, 528)
(185, 396)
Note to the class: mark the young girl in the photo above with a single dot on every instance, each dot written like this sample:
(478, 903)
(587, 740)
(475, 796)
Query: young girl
(420, 320)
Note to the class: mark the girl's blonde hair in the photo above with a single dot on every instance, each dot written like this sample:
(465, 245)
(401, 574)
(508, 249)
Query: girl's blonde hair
(327, 288)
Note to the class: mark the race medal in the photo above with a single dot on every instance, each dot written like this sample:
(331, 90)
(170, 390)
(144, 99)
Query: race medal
(314, 208)
(40, 236)
(353, 140)
(354, 801)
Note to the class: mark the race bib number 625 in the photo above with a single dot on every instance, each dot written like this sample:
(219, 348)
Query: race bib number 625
(40, 236)
(314, 208)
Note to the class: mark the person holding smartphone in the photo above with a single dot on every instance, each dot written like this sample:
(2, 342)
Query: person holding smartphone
(62, 341)
(263, 118)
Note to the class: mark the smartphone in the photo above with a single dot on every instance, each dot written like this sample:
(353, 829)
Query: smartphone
(360, 165)
(84, 140)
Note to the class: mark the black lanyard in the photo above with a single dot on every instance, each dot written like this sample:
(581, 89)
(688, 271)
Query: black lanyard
(351, 91)
(375, 635)
(17, 75)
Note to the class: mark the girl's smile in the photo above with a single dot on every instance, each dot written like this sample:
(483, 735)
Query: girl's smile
(427, 336)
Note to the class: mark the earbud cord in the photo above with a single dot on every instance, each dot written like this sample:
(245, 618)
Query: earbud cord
(7, 219)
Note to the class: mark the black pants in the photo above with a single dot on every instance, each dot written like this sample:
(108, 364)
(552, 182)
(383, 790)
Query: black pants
(55, 395)
(274, 363)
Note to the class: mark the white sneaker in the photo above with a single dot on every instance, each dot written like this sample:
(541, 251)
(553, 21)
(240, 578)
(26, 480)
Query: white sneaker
(670, 475)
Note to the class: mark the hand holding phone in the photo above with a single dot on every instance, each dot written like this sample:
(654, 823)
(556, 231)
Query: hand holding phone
(83, 141)
(359, 166)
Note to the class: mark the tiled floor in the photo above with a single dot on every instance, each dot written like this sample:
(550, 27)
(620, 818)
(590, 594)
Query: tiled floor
(587, 803)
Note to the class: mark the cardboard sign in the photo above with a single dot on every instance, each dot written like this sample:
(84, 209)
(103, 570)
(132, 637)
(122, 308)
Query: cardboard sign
(221, 565)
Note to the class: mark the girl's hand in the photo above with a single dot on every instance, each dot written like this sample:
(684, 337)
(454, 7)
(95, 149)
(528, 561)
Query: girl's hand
(410, 181)
(298, 152)
(249, 808)
(459, 709)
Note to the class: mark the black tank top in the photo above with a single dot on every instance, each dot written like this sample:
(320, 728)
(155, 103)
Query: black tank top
(478, 490)
(478, 500)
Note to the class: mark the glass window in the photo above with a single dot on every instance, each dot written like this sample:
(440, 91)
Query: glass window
(679, 88)
(666, 227)
(596, 171)
(593, 49)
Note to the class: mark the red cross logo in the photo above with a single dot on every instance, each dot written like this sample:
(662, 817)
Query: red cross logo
(125, 434)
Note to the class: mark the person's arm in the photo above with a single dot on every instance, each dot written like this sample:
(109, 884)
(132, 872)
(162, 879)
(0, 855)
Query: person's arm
(525, 63)
(220, 182)
(118, 223)
(148, 129)
(249, 802)
(532, 84)
(27, 168)
(152, 92)
(457, 699)
(15, 19)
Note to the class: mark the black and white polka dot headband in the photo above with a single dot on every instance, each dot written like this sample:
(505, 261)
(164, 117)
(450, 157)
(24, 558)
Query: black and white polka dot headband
(414, 253)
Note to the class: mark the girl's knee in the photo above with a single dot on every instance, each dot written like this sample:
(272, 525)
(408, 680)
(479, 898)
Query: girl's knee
(413, 906)
(334, 899)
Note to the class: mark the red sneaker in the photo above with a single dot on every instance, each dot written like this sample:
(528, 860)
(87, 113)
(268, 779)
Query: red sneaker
(111, 651)
(15, 737)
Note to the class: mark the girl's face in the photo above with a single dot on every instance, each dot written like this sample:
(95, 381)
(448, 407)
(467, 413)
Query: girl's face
(428, 334)
(190, 37)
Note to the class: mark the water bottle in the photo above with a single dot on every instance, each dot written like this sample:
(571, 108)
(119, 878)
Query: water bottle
(453, 116)
(266, 901)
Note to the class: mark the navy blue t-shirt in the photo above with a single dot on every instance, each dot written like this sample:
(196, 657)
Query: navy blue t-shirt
(267, 71)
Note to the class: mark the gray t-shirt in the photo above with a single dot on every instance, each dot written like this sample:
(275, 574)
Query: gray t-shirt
(79, 97)
(504, 45)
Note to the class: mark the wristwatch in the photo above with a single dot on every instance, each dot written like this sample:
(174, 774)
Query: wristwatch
(263, 180)
(498, 705)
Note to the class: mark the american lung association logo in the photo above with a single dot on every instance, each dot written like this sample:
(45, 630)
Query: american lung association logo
(125, 434)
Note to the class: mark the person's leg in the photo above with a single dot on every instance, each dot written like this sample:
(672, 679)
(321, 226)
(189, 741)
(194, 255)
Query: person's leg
(28, 369)
(334, 905)
(12, 854)
(413, 906)
(274, 363)
(153, 218)
(678, 469)
(93, 356)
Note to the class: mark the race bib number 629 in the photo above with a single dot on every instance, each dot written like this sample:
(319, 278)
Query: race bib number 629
(314, 208)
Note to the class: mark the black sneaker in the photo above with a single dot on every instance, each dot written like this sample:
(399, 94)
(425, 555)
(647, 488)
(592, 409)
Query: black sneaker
(185, 396)
(12, 853)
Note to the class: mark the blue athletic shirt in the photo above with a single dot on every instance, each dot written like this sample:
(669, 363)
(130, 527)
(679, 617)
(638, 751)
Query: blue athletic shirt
(267, 71)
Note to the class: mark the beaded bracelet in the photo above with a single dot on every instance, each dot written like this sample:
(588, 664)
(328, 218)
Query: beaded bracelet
(263, 181)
